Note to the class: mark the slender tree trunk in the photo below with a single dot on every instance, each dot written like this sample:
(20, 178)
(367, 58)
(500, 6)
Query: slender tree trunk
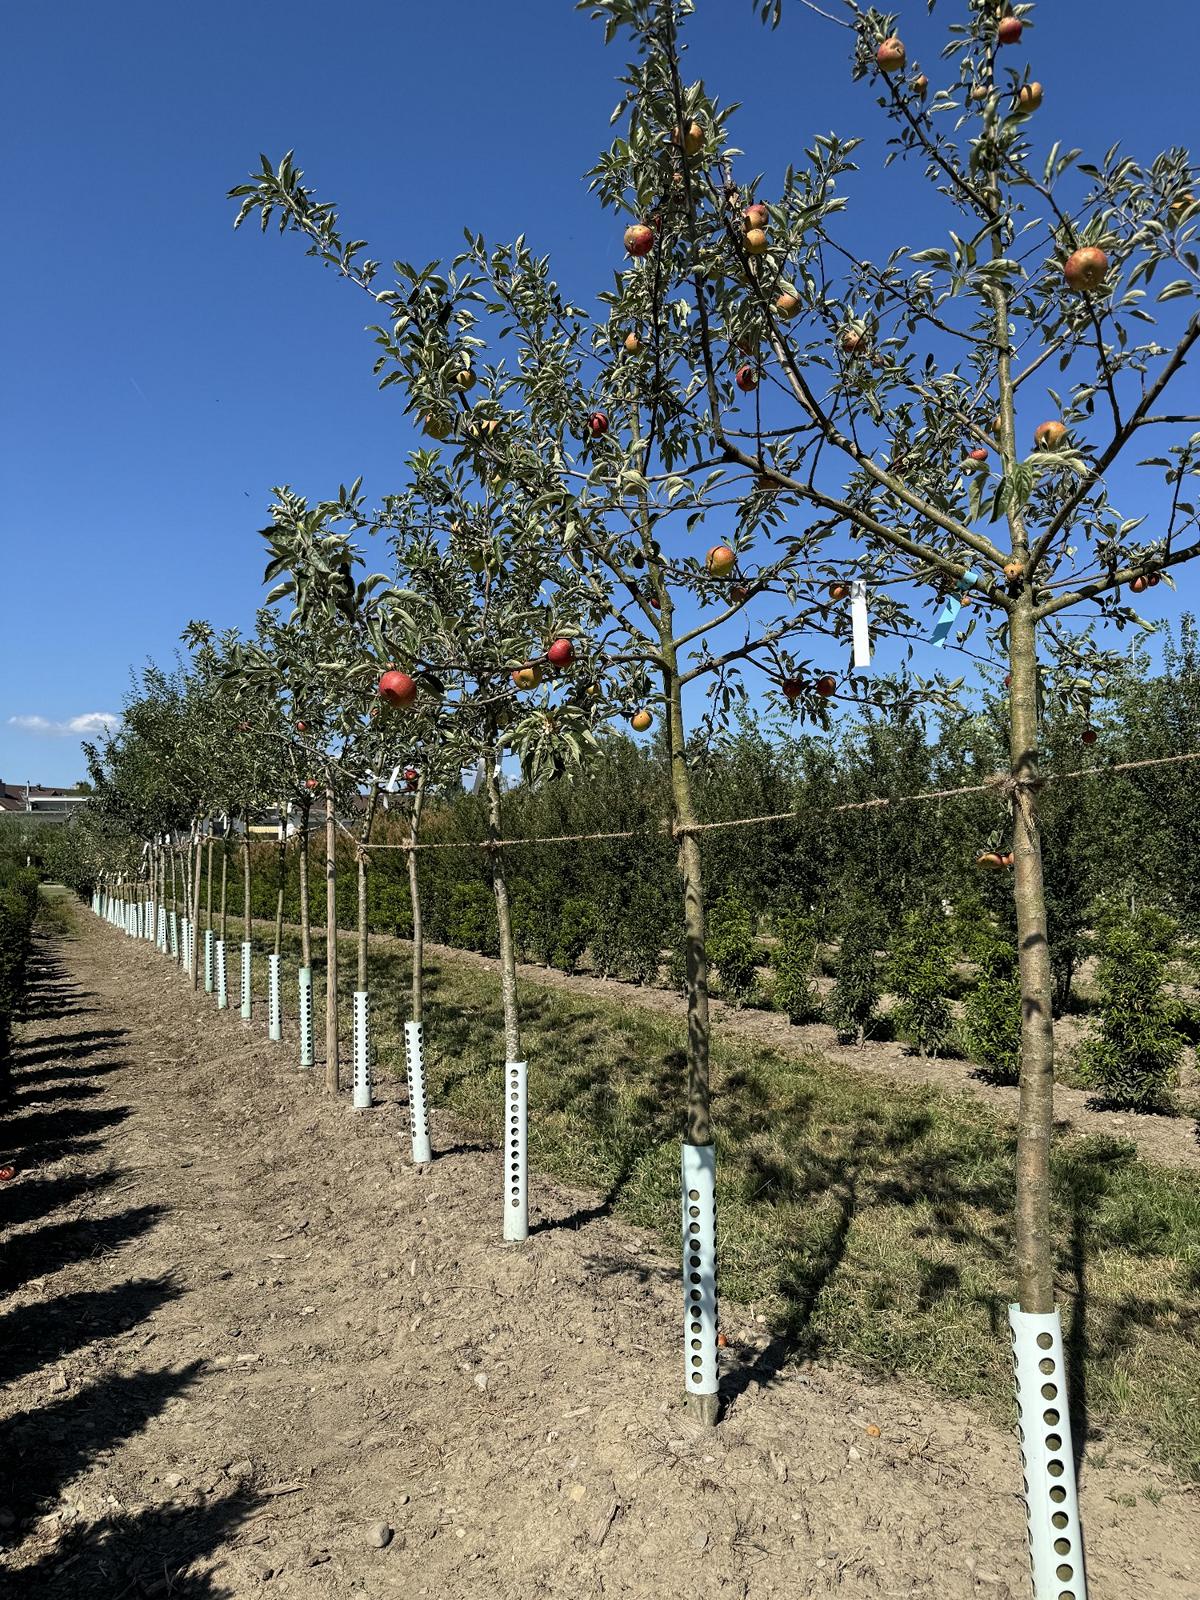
(332, 1076)
(194, 966)
(174, 886)
(362, 919)
(1035, 1117)
(224, 888)
(414, 895)
(305, 909)
(247, 907)
(699, 1116)
(508, 963)
(279, 893)
(208, 912)
(705, 1408)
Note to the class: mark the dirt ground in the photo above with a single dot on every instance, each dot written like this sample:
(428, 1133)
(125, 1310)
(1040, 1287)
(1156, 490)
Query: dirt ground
(248, 1348)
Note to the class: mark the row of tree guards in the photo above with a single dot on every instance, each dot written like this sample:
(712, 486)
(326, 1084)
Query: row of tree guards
(841, 433)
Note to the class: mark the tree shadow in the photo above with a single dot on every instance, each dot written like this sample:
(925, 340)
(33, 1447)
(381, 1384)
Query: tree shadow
(46, 1249)
(33, 1336)
(82, 1044)
(143, 1552)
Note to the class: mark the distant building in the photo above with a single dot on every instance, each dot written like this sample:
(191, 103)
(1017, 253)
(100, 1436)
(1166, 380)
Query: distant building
(39, 800)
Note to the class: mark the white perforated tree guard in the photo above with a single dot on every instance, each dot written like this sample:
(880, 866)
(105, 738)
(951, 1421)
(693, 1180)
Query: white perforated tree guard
(222, 977)
(247, 993)
(414, 1055)
(516, 1165)
(160, 931)
(361, 1052)
(173, 933)
(306, 1017)
(209, 937)
(274, 1000)
(699, 1167)
(1052, 1507)
(185, 943)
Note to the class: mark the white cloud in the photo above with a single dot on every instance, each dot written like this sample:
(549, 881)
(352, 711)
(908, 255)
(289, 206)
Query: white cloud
(83, 726)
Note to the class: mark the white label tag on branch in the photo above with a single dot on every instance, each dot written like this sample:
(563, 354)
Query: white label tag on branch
(858, 622)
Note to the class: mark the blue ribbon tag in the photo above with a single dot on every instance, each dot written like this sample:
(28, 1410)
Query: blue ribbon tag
(941, 628)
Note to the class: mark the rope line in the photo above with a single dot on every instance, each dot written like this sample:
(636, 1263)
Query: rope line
(1002, 783)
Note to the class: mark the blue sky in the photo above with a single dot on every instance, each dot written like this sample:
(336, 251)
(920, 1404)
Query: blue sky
(160, 373)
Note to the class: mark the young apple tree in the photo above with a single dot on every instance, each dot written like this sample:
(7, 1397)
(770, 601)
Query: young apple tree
(595, 444)
(903, 396)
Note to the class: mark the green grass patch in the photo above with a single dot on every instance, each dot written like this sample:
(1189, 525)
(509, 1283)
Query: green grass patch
(872, 1221)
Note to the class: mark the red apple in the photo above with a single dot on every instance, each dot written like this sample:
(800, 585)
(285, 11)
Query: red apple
(739, 594)
(302, 727)
(597, 424)
(978, 454)
(1088, 736)
(786, 304)
(756, 215)
(791, 688)
(747, 379)
(561, 653)
(890, 57)
(1140, 585)
(838, 591)
(411, 774)
(310, 783)
(755, 241)
(1085, 269)
(639, 239)
(826, 685)
(1009, 31)
(720, 560)
(397, 688)
(1049, 435)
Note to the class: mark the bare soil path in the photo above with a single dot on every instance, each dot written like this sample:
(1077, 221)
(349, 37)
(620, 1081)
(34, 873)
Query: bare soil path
(248, 1349)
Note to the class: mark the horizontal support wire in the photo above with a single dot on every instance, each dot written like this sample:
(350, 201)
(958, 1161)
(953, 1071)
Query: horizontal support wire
(1002, 784)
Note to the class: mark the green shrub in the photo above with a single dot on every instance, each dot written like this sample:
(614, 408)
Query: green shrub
(531, 929)
(991, 1025)
(919, 974)
(18, 902)
(390, 910)
(572, 934)
(855, 995)
(731, 947)
(471, 918)
(628, 932)
(792, 961)
(1131, 1056)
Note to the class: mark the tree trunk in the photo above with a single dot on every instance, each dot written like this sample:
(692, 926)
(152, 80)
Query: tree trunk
(508, 963)
(224, 888)
(279, 894)
(209, 886)
(704, 1408)
(332, 1077)
(174, 886)
(1035, 1118)
(362, 920)
(194, 966)
(305, 917)
(414, 895)
(246, 903)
